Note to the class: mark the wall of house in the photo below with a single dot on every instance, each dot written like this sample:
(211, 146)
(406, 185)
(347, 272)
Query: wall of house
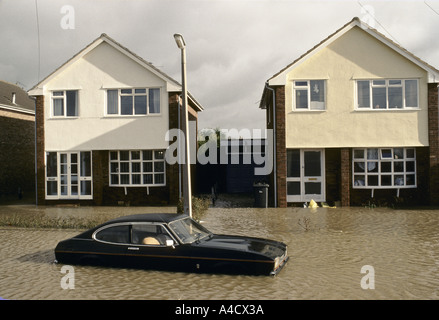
(92, 75)
(355, 55)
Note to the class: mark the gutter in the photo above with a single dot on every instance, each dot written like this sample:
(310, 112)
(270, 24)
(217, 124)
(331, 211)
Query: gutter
(274, 143)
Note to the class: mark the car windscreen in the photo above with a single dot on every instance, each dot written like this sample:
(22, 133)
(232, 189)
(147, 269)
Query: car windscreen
(188, 231)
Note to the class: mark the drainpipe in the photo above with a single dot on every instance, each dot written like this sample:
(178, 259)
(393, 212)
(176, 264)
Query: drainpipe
(274, 143)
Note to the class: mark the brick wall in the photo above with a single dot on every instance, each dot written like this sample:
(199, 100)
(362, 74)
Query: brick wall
(433, 137)
(17, 153)
(281, 151)
(345, 176)
(39, 118)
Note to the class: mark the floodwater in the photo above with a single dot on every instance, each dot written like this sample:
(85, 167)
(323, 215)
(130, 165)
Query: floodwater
(328, 247)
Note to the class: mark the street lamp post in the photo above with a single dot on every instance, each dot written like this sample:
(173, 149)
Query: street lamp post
(187, 194)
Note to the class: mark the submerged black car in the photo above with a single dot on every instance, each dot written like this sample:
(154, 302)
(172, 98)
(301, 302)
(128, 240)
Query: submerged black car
(171, 242)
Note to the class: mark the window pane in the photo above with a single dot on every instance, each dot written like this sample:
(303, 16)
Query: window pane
(118, 234)
(293, 163)
(124, 167)
(114, 167)
(126, 91)
(159, 178)
(372, 154)
(51, 164)
(312, 163)
(386, 180)
(58, 107)
(124, 179)
(372, 166)
(154, 100)
(126, 105)
(72, 103)
(58, 93)
(398, 166)
(359, 180)
(140, 105)
(52, 188)
(358, 154)
(85, 188)
(411, 93)
(147, 167)
(363, 94)
(293, 188)
(301, 99)
(147, 155)
(159, 166)
(158, 155)
(410, 166)
(379, 82)
(399, 180)
(135, 167)
(135, 179)
(410, 180)
(410, 153)
(386, 167)
(313, 187)
(112, 101)
(135, 155)
(372, 180)
(379, 98)
(386, 153)
(125, 155)
(140, 91)
(317, 94)
(113, 155)
(114, 179)
(398, 153)
(358, 166)
(394, 82)
(395, 97)
(147, 179)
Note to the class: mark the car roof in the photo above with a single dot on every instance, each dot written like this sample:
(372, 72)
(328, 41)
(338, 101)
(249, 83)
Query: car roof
(149, 217)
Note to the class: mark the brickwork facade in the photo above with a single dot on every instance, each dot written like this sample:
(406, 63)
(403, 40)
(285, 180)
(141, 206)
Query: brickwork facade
(433, 137)
(17, 153)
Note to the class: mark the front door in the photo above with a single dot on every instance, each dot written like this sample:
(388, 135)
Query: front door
(305, 175)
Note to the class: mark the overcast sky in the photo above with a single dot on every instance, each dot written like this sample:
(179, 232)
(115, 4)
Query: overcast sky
(233, 46)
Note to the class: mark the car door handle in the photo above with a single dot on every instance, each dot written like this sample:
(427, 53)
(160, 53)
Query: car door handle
(133, 248)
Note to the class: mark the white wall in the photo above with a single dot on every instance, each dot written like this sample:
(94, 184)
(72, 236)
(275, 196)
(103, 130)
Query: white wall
(104, 68)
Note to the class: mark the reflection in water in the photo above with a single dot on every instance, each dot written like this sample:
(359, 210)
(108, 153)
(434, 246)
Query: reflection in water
(325, 262)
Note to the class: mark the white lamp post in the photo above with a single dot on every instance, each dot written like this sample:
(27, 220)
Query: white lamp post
(187, 194)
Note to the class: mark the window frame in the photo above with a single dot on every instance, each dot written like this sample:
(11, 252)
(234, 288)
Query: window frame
(64, 178)
(296, 87)
(387, 86)
(63, 97)
(383, 165)
(133, 167)
(129, 226)
(134, 94)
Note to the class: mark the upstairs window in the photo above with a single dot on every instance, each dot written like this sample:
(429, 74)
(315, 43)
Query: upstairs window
(390, 94)
(65, 103)
(128, 102)
(309, 95)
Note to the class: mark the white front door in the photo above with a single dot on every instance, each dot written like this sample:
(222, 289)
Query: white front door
(305, 175)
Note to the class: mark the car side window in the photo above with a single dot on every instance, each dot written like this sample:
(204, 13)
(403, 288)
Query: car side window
(149, 234)
(115, 234)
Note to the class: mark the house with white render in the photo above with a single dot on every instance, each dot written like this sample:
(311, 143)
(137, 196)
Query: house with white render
(101, 122)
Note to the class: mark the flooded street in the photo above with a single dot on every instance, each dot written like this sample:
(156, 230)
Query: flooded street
(327, 247)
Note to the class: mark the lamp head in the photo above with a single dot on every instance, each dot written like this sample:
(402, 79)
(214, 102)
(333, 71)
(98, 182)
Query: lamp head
(179, 40)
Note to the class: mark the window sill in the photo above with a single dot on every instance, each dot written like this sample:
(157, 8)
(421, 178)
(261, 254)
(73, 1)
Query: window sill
(306, 111)
(388, 110)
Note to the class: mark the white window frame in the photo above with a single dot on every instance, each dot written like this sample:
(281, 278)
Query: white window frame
(63, 97)
(387, 85)
(133, 94)
(136, 166)
(307, 87)
(67, 173)
(363, 168)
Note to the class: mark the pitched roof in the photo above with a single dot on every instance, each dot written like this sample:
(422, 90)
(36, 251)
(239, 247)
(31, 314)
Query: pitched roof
(279, 77)
(173, 85)
(22, 101)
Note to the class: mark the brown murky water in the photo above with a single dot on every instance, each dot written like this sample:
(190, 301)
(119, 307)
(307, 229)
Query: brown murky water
(327, 248)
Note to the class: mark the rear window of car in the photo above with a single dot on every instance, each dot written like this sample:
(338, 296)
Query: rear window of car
(116, 234)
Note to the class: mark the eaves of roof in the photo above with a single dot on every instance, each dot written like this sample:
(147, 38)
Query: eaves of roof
(279, 77)
(173, 85)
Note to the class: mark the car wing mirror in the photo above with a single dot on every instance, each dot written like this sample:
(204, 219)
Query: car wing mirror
(170, 243)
